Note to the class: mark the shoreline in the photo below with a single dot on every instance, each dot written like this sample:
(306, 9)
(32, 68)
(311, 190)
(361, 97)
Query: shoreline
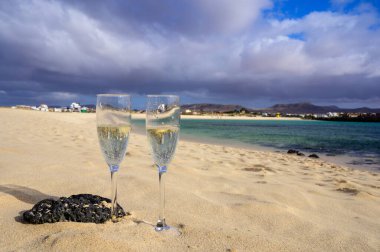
(350, 161)
(342, 159)
(211, 117)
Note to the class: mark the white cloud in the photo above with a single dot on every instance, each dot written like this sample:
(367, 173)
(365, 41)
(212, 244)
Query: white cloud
(276, 56)
(333, 44)
(232, 16)
(242, 52)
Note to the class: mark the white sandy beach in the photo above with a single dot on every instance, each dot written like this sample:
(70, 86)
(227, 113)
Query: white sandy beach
(221, 198)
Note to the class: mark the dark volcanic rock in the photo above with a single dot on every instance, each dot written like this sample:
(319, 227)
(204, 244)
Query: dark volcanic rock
(313, 156)
(291, 151)
(300, 154)
(78, 208)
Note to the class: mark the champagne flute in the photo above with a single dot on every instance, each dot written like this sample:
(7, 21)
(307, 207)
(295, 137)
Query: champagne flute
(113, 116)
(162, 127)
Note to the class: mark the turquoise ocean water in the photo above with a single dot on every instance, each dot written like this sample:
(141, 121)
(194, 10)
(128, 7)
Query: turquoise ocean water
(358, 143)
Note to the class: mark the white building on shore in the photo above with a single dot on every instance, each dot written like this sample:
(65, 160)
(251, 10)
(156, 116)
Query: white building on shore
(43, 107)
(75, 107)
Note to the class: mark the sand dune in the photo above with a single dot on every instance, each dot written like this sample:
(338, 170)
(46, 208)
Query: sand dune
(221, 198)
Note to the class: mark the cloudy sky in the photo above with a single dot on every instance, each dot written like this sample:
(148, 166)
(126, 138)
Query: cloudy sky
(252, 52)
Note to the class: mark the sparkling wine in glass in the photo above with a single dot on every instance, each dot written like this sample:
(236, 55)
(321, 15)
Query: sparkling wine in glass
(162, 127)
(113, 116)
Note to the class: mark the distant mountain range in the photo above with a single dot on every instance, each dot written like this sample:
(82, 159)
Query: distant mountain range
(292, 108)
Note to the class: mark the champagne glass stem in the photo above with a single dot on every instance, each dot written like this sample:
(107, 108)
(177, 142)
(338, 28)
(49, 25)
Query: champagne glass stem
(161, 225)
(114, 194)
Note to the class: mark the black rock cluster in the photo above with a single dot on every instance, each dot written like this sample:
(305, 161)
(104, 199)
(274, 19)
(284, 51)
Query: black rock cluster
(313, 156)
(292, 151)
(77, 208)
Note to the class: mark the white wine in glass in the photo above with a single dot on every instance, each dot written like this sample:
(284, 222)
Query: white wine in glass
(162, 127)
(113, 116)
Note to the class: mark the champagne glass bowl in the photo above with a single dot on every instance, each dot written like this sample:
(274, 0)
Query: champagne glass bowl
(162, 127)
(113, 116)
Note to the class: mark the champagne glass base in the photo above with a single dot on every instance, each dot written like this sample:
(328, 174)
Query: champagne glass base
(162, 228)
(168, 230)
(161, 225)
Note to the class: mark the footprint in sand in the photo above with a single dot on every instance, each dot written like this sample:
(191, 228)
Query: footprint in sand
(78, 138)
(352, 191)
(373, 186)
(341, 181)
(346, 187)
(261, 182)
(320, 184)
(260, 170)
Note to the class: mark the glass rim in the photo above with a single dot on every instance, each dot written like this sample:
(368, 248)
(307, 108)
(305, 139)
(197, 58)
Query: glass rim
(161, 95)
(113, 95)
